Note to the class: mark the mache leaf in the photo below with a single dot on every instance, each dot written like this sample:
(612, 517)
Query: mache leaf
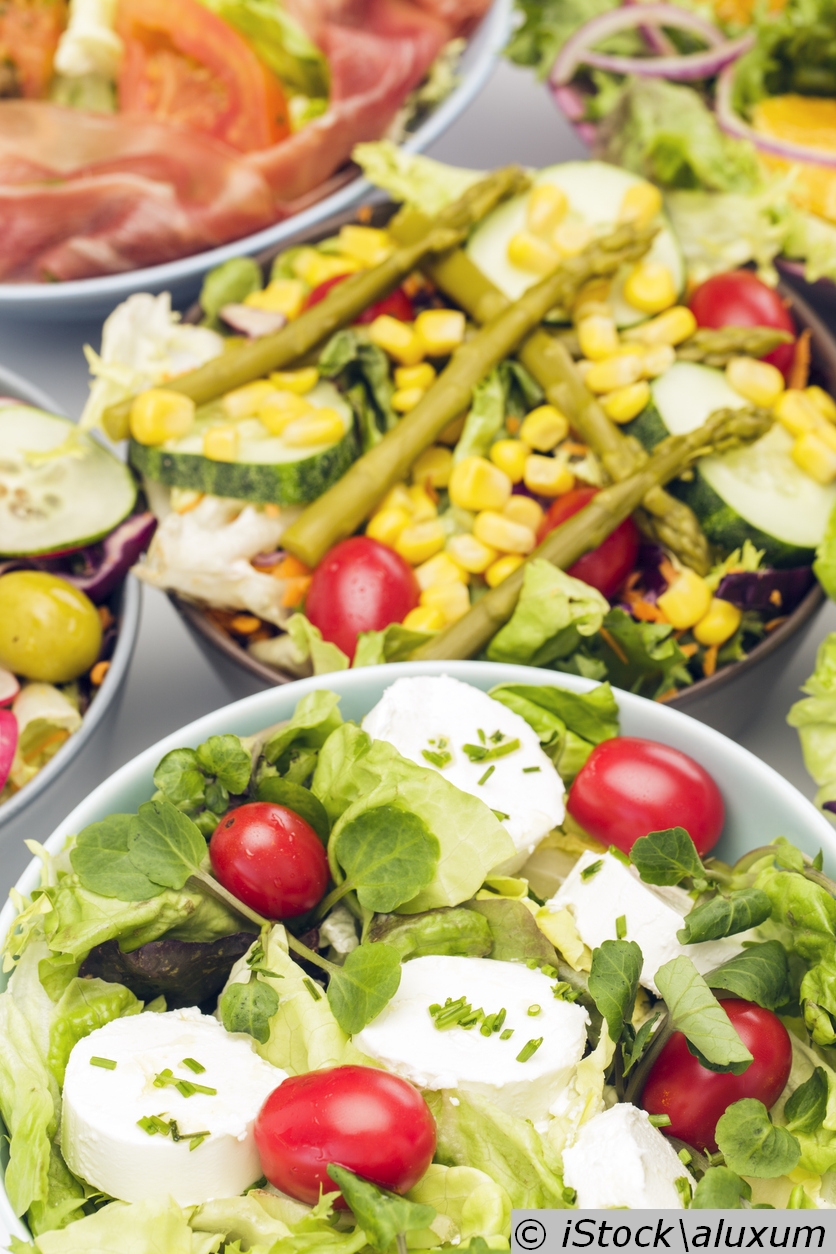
(387, 854)
(180, 777)
(614, 982)
(382, 1215)
(101, 861)
(450, 930)
(807, 1106)
(300, 800)
(752, 1145)
(666, 857)
(760, 974)
(227, 759)
(364, 985)
(696, 1012)
(164, 844)
(516, 936)
(720, 1189)
(725, 916)
(249, 1008)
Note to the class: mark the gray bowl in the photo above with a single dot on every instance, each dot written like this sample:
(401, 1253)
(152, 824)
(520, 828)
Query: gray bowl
(32, 812)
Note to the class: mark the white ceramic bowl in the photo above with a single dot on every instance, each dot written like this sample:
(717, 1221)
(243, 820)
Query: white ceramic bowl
(760, 804)
(92, 298)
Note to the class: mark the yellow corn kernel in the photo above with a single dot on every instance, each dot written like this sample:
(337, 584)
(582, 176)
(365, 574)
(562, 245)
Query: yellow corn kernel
(435, 466)
(502, 568)
(441, 330)
(547, 476)
(615, 372)
(812, 455)
(597, 336)
(406, 399)
(499, 532)
(650, 287)
(571, 238)
(420, 376)
(823, 401)
(510, 455)
(592, 300)
(423, 505)
(398, 339)
(387, 524)
(686, 601)
(470, 554)
(299, 381)
(420, 541)
(640, 204)
(452, 599)
(220, 444)
(320, 426)
(315, 268)
(397, 498)
(827, 434)
(671, 327)
(424, 618)
(544, 427)
(626, 403)
(286, 296)
(719, 624)
(440, 569)
(365, 243)
(476, 483)
(184, 500)
(246, 401)
(583, 368)
(657, 359)
(758, 381)
(797, 412)
(280, 409)
(529, 253)
(524, 510)
(158, 415)
(547, 205)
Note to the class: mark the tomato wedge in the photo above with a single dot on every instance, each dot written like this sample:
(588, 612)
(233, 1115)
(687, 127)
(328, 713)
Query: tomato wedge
(606, 567)
(397, 304)
(185, 64)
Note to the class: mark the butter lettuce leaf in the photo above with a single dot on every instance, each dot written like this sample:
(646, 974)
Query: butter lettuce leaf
(280, 42)
(414, 180)
(553, 611)
(814, 717)
(468, 1203)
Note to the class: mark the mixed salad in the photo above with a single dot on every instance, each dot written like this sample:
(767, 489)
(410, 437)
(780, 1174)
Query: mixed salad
(728, 107)
(401, 991)
(347, 469)
(71, 527)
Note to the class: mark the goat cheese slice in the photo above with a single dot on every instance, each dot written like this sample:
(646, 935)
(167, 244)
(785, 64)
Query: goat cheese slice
(404, 1038)
(653, 915)
(436, 714)
(101, 1139)
(620, 1159)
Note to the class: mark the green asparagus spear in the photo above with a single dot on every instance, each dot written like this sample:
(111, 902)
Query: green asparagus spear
(343, 507)
(716, 347)
(725, 429)
(245, 362)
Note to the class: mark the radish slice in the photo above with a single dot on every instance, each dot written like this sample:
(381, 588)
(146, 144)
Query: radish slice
(9, 687)
(8, 743)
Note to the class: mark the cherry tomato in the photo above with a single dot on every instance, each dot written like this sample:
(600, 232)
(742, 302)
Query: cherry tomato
(740, 299)
(361, 585)
(606, 567)
(695, 1098)
(270, 858)
(370, 1121)
(628, 787)
(397, 304)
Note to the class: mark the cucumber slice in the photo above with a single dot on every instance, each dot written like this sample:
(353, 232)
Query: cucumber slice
(595, 191)
(756, 492)
(63, 501)
(266, 470)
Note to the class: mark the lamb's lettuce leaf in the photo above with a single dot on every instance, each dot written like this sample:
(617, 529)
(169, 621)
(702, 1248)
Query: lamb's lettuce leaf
(569, 724)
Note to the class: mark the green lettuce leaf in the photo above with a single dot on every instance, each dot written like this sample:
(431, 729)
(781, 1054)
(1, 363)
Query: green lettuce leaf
(452, 930)
(807, 1107)
(569, 724)
(468, 1203)
(355, 774)
(720, 231)
(553, 611)
(394, 643)
(640, 657)
(131, 1228)
(811, 239)
(314, 718)
(357, 363)
(815, 716)
(508, 389)
(420, 182)
(545, 27)
(310, 647)
(279, 41)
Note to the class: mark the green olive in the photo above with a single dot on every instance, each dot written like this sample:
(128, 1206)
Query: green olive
(49, 631)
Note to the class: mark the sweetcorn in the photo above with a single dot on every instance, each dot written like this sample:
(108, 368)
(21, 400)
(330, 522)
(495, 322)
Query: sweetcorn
(547, 476)
(686, 601)
(650, 287)
(420, 376)
(657, 359)
(476, 484)
(423, 505)
(281, 409)
(440, 569)
(452, 599)
(435, 466)
(424, 618)
(624, 404)
(470, 553)
(315, 268)
(405, 399)
(299, 381)
(597, 336)
(158, 415)
(544, 428)
(615, 372)
(546, 207)
(571, 238)
(812, 455)
(640, 204)
(510, 455)
(220, 444)
(823, 401)
(387, 524)
(797, 411)
(285, 296)
(366, 244)
(671, 327)
(399, 339)
(320, 426)
(440, 330)
(397, 498)
(719, 624)
(525, 510)
(502, 568)
(420, 541)
(757, 381)
(529, 252)
(246, 401)
(497, 531)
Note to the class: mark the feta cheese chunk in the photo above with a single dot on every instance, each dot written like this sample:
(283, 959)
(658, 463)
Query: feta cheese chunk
(404, 1038)
(653, 915)
(438, 715)
(101, 1139)
(620, 1159)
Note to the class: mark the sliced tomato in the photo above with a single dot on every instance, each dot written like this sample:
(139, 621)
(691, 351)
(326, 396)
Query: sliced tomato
(397, 304)
(185, 64)
(606, 567)
(29, 34)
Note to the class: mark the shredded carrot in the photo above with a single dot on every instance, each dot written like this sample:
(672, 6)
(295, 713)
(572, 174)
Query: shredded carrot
(414, 283)
(775, 622)
(291, 568)
(223, 618)
(709, 661)
(688, 649)
(56, 738)
(245, 624)
(262, 634)
(513, 424)
(776, 599)
(272, 511)
(631, 580)
(800, 369)
(105, 617)
(573, 449)
(614, 645)
(643, 610)
(98, 673)
(668, 571)
(667, 696)
(364, 214)
(295, 590)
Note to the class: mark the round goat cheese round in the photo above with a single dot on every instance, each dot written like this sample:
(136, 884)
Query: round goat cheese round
(620, 1159)
(118, 1126)
(460, 731)
(404, 1037)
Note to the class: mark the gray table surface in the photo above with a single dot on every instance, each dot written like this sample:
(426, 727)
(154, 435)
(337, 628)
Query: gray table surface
(171, 682)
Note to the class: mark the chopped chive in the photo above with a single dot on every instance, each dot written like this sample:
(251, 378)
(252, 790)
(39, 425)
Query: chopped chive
(619, 853)
(499, 1019)
(564, 992)
(202, 1088)
(434, 1008)
(533, 1010)
(660, 1121)
(497, 737)
(527, 770)
(174, 1130)
(197, 1138)
(488, 773)
(193, 1065)
(486, 1026)
(185, 1088)
(507, 1034)
(481, 735)
(684, 1156)
(154, 1125)
(529, 1048)
(531, 963)
(621, 926)
(312, 989)
(441, 759)
(164, 1078)
(481, 753)
(593, 869)
(501, 815)
(549, 971)
(570, 1196)
(683, 1188)
(107, 1063)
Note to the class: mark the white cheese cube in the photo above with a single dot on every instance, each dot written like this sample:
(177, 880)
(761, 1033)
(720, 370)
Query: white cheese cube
(653, 915)
(100, 1136)
(405, 1040)
(416, 715)
(620, 1159)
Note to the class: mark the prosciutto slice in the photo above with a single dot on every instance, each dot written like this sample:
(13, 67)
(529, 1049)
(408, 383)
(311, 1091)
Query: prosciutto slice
(85, 194)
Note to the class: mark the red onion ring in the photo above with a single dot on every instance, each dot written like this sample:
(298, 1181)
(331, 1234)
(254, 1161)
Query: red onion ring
(686, 68)
(733, 125)
(656, 39)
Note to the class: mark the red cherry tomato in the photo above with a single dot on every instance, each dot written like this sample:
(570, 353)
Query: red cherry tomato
(370, 1121)
(397, 304)
(695, 1098)
(361, 585)
(606, 567)
(270, 858)
(628, 787)
(740, 299)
